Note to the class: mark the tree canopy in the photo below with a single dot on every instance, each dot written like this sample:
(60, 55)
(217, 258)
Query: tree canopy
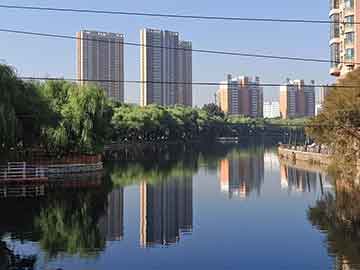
(338, 124)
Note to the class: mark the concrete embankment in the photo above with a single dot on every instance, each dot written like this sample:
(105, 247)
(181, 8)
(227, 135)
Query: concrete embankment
(310, 157)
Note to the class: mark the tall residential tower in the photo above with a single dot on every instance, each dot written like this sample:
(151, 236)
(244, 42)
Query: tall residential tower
(100, 60)
(344, 36)
(241, 96)
(166, 68)
(297, 99)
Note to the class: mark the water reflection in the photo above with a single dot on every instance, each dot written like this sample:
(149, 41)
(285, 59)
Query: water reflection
(242, 173)
(111, 224)
(338, 216)
(152, 204)
(166, 211)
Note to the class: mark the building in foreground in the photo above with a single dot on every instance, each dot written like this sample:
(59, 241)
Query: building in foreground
(297, 99)
(344, 36)
(241, 96)
(271, 109)
(100, 60)
(166, 68)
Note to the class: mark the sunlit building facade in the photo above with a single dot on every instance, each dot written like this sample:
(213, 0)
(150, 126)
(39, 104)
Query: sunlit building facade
(344, 36)
(297, 99)
(166, 68)
(241, 96)
(100, 60)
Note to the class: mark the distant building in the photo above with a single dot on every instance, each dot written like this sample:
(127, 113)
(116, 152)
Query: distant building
(241, 96)
(297, 99)
(100, 60)
(324, 91)
(271, 109)
(344, 36)
(166, 68)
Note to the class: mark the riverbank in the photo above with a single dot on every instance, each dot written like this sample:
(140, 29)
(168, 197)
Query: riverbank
(297, 155)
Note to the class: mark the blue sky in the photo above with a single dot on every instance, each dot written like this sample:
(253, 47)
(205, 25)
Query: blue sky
(45, 56)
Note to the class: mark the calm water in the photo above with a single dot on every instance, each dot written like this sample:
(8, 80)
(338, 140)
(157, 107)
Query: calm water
(234, 208)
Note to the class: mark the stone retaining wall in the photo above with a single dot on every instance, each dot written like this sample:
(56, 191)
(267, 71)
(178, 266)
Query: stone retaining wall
(294, 155)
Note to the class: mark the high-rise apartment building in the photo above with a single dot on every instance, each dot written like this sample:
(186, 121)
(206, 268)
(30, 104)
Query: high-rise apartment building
(344, 36)
(166, 68)
(297, 99)
(241, 96)
(100, 60)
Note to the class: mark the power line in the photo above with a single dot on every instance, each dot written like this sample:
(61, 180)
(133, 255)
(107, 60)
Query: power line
(173, 16)
(30, 78)
(229, 53)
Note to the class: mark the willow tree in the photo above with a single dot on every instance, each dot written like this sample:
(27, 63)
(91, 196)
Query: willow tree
(23, 111)
(338, 124)
(82, 123)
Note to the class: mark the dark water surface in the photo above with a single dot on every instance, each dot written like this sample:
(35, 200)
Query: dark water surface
(233, 208)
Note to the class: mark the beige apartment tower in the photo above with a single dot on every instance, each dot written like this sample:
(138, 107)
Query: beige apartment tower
(297, 99)
(241, 96)
(166, 69)
(344, 36)
(100, 60)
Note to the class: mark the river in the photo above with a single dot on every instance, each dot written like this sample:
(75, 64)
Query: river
(235, 207)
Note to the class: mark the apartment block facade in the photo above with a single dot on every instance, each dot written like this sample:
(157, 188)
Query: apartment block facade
(344, 36)
(166, 68)
(100, 60)
(241, 96)
(271, 109)
(297, 99)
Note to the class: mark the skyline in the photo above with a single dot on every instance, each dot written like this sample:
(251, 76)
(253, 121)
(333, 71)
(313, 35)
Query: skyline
(281, 41)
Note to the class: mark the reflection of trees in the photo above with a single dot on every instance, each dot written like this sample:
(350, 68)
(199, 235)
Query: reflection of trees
(65, 219)
(338, 215)
(68, 222)
(180, 162)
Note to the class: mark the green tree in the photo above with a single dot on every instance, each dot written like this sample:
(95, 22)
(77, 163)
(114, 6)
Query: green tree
(338, 124)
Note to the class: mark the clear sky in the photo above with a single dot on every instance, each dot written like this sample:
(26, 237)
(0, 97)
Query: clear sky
(35, 56)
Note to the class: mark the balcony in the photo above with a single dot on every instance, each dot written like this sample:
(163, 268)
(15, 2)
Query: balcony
(335, 71)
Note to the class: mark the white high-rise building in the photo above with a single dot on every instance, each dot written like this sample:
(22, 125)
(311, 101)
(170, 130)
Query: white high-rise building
(166, 68)
(100, 60)
(271, 109)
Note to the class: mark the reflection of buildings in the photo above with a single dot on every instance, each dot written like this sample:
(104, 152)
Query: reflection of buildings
(271, 161)
(240, 175)
(298, 180)
(111, 224)
(165, 211)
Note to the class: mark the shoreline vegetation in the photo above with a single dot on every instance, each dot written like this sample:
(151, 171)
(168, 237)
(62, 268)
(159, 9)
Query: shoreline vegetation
(62, 119)
(338, 126)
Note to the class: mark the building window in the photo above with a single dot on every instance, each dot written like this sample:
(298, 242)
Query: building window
(334, 4)
(349, 38)
(349, 4)
(349, 54)
(335, 26)
(335, 54)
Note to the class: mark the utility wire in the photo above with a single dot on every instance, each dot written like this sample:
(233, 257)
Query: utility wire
(176, 48)
(174, 16)
(30, 78)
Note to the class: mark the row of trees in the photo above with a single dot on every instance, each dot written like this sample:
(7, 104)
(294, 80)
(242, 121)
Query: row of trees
(62, 117)
(338, 124)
